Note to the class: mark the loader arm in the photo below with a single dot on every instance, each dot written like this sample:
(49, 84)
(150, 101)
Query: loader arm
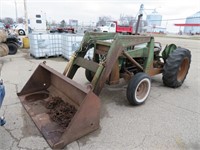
(103, 69)
(88, 42)
(119, 45)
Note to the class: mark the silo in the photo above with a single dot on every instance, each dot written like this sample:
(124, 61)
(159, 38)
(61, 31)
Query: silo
(154, 19)
(194, 19)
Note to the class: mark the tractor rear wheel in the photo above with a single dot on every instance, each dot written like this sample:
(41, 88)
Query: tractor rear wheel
(12, 48)
(176, 67)
(138, 88)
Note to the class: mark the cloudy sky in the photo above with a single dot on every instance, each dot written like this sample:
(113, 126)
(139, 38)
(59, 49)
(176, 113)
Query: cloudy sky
(87, 11)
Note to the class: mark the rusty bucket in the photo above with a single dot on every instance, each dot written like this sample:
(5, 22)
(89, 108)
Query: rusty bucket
(62, 109)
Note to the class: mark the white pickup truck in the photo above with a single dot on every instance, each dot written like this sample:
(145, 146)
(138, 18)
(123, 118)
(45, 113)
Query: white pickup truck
(20, 29)
(112, 26)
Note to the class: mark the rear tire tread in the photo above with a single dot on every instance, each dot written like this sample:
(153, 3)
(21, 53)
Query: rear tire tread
(171, 67)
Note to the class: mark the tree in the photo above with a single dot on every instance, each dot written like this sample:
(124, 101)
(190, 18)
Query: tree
(102, 20)
(20, 20)
(8, 20)
(126, 20)
(63, 23)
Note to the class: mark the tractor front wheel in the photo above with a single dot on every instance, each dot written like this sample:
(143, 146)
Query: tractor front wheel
(89, 75)
(138, 88)
(176, 67)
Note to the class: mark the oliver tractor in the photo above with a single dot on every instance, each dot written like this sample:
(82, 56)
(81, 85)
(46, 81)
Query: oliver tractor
(133, 57)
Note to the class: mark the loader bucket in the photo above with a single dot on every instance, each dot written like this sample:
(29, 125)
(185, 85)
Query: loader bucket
(62, 109)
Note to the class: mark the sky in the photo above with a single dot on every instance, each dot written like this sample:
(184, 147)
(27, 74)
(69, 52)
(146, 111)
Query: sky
(88, 11)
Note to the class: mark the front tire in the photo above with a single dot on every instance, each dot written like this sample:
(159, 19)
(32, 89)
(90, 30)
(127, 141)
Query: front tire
(89, 75)
(138, 88)
(21, 32)
(176, 67)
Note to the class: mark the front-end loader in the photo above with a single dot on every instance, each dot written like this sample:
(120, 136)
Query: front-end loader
(136, 58)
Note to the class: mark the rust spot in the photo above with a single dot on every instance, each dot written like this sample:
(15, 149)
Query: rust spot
(37, 96)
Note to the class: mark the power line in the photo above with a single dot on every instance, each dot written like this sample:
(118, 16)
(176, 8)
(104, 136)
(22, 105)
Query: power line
(176, 19)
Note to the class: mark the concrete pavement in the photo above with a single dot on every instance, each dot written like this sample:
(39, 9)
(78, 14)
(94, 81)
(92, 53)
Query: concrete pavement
(169, 119)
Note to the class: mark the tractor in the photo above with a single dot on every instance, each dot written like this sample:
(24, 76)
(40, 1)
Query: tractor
(132, 57)
(136, 58)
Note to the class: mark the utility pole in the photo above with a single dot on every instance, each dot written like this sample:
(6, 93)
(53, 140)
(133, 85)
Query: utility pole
(0, 11)
(26, 18)
(16, 11)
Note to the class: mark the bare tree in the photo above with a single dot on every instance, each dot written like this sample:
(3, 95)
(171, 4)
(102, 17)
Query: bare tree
(20, 20)
(8, 20)
(102, 20)
(126, 20)
(63, 23)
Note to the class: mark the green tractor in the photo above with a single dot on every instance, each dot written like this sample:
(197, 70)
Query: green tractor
(133, 57)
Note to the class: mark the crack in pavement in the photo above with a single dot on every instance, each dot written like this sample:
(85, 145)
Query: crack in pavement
(12, 104)
(9, 132)
(78, 144)
(141, 144)
(157, 101)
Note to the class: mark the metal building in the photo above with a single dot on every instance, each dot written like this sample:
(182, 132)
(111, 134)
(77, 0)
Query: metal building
(73, 22)
(154, 19)
(194, 19)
